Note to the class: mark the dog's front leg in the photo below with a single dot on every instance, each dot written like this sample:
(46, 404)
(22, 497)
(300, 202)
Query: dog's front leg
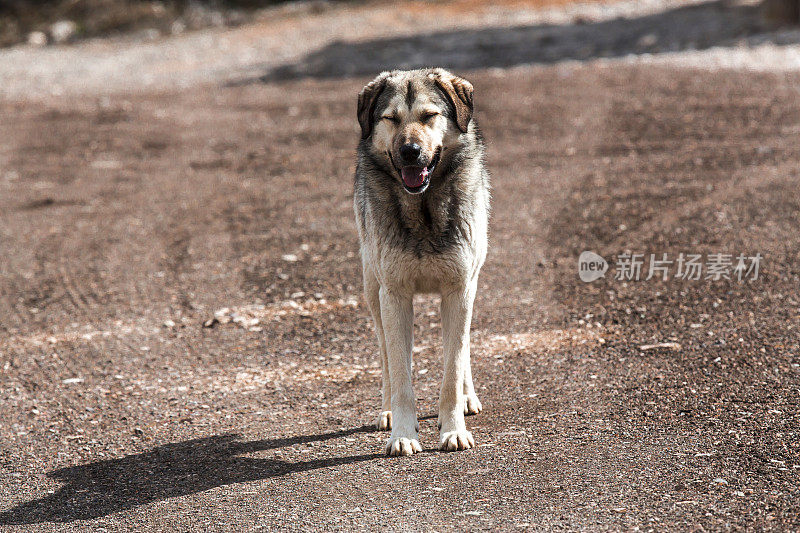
(456, 318)
(397, 314)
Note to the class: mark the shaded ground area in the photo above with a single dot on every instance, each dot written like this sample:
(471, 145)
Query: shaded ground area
(692, 27)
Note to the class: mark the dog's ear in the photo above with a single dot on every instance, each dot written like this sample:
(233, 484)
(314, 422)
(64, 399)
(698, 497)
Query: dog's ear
(367, 99)
(459, 92)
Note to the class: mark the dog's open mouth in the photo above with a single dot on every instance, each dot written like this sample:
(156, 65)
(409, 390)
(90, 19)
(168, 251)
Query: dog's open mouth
(416, 179)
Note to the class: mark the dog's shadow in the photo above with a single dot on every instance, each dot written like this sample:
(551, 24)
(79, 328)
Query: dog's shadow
(98, 489)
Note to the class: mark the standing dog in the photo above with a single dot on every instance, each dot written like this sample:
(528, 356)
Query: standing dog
(422, 205)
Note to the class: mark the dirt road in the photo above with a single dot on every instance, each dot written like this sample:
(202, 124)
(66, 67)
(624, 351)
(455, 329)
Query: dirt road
(129, 221)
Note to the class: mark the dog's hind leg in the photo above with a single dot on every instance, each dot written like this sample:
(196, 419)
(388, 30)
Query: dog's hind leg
(472, 405)
(372, 295)
(397, 315)
(456, 318)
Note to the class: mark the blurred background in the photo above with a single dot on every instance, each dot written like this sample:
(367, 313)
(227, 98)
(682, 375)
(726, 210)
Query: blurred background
(57, 21)
(39, 22)
(183, 340)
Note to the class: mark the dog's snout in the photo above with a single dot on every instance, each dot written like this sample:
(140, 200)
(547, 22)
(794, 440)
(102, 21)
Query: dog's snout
(410, 152)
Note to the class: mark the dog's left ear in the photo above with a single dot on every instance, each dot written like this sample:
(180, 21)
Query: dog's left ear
(459, 92)
(367, 99)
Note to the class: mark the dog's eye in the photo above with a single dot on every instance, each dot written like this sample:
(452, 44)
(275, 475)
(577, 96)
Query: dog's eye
(429, 115)
(391, 118)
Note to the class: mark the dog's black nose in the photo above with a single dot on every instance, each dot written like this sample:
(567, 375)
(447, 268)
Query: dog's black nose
(410, 152)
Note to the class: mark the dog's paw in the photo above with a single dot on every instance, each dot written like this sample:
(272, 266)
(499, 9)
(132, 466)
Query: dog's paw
(384, 421)
(402, 446)
(472, 405)
(453, 441)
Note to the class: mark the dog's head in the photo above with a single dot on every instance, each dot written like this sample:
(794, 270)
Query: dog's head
(410, 120)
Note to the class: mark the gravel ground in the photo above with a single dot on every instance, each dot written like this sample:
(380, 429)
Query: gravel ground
(130, 220)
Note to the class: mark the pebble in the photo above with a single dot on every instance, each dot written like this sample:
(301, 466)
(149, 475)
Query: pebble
(668, 345)
(178, 27)
(63, 31)
(37, 38)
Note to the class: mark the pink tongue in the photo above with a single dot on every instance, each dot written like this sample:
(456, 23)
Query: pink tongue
(414, 176)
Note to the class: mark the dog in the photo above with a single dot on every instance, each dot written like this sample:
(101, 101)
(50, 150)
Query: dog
(421, 200)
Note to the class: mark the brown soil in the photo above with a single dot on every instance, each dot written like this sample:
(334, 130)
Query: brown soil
(121, 214)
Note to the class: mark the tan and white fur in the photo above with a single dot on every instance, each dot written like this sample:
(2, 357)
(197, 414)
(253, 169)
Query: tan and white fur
(422, 206)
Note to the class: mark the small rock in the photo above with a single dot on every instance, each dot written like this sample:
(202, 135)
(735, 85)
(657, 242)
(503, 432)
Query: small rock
(70, 381)
(169, 323)
(63, 31)
(224, 315)
(667, 345)
(37, 38)
(138, 432)
(178, 27)
(289, 258)
(719, 481)
(244, 321)
(210, 323)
